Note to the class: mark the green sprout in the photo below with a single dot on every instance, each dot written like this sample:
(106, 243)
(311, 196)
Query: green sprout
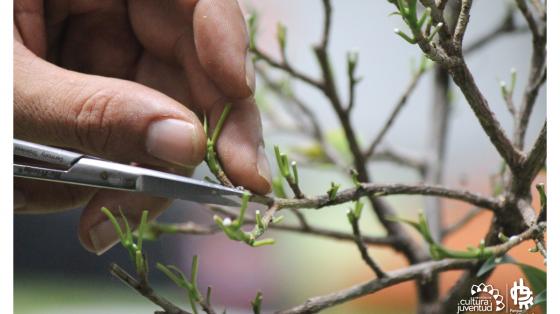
(211, 153)
(191, 287)
(278, 187)
(281, 37)
(256, 303)
(508, 91)
(233, 228)
(355, 180)
(351, 65)
(437, 251)
(127, 239)
(289, 171)
(408, 10)
(355, 213)
(332, 191)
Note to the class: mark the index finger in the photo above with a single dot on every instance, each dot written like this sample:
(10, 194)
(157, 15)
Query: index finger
(222, 41)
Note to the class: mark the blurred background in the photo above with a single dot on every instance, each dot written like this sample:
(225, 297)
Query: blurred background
(53, 274)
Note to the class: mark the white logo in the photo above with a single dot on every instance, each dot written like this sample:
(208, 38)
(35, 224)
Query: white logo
(482, 303)
(521, 294)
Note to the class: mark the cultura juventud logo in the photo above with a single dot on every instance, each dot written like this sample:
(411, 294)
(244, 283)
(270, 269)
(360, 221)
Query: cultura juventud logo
(481, 300)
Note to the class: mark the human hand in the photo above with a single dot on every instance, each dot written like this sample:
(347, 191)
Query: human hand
(129, 81)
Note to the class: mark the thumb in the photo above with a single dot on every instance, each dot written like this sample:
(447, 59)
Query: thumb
(106, 117)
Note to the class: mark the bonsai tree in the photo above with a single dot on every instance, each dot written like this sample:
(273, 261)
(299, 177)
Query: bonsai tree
(437, 29)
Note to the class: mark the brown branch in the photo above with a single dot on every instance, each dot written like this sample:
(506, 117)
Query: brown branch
(534, 162)
(541, 247)
(378, 190)
(537, 75)
(452, 59)
(463, 78)
(533, 25)
(327, 8)
(417, 271)
(396, 110)
(145, 290)
(462, 22)
(286, 67)
(363, 249)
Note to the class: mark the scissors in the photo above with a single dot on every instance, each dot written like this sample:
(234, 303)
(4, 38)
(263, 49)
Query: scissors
(65, 166)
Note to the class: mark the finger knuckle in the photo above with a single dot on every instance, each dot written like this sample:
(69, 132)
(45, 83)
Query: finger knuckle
(92, 125)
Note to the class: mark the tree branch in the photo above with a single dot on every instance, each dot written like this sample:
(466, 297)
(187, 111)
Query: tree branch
(462, 22)
(537, 75)
(363, 249)
(145, 290)
(396, 110)
(417, 271)
(378, 190)
(286, 67)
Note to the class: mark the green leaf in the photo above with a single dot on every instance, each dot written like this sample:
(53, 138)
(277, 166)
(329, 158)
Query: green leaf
(536, 277)
(540, 298)
(141, 229)
(278, 187)
(492, 262)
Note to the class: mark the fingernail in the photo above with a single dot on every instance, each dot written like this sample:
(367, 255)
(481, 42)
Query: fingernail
(174, 141)
(19, 199)
(250, 72)
(104, 236)
(263, 166)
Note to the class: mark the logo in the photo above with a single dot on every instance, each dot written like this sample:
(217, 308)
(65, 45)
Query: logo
(483, 297)
(486, 298)
(521, 295)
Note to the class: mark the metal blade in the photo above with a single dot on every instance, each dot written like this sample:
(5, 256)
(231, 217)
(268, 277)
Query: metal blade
(174, 186)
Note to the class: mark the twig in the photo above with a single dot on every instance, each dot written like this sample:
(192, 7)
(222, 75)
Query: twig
(363, 249)
(462, 22)
(487, 119)
(378, 190)
(286, 67)
(396, 110)
(327, 8)
(145, 290)
(537, 75)
(533, 26)
(532, 165)
(541, 247)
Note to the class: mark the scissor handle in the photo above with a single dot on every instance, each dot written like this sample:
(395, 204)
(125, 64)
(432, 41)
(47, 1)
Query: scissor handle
(52, 155)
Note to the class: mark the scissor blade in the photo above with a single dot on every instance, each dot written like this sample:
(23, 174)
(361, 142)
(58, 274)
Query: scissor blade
(173, 186)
